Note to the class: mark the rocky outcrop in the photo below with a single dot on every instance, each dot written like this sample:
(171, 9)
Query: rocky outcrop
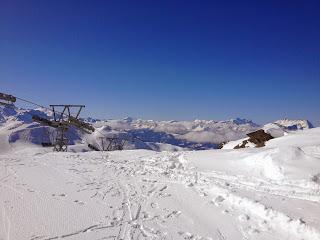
(258, 138)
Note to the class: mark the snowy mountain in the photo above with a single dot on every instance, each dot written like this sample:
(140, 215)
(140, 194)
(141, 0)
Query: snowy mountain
(294, 124)
(197, 134)
(16, 125)
(197, 131)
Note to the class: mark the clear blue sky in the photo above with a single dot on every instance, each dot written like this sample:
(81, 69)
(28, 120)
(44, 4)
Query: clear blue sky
(165, 59)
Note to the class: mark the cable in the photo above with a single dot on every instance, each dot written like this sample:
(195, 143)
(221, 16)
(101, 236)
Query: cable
(51, 110)
(21, 99)
(38, 105)
(15, 108)
(24, 100)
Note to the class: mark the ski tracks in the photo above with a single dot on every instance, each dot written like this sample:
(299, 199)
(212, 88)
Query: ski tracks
(225, 191)
(136, 194)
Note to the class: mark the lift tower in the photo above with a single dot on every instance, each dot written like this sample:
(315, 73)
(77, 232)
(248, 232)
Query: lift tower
(65, 116)
(112, 143)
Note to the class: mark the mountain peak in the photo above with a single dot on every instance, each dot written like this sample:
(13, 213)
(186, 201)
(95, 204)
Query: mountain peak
(294, 124)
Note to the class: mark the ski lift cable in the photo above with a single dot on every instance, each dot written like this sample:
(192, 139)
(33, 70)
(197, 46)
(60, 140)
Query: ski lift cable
(49, 109)
(33, 103)
(25, 100)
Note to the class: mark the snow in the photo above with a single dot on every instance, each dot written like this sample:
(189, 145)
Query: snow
(158, 188)
(294, 124)
(155, 135)
(275, 130)
(254, 193)
(297, 138)
(232, 144)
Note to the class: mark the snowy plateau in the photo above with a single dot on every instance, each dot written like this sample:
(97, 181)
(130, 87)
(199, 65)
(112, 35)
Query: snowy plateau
(170, 181)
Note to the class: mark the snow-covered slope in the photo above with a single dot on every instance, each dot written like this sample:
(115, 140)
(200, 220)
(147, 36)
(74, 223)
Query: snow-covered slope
(294, 156)
(269, 193)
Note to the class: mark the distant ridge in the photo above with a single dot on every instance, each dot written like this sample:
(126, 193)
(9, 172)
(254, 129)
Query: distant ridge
(157, 135)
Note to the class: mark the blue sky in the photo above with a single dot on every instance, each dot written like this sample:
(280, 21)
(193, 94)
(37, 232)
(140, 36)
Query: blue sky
(165, 59)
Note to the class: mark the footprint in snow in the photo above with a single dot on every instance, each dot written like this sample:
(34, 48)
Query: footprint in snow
(163, 188)
(226, 211)
(190, 236)
(154, 205)
(253, 230)
(58, 195)
(218, 200)
(244, 217)
(173, 214)
(79, 202)
(203, 194)
(264, 226)
(190, 184)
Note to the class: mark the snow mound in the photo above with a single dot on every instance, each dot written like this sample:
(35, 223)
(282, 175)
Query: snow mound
(308, 137)
(295, 156)
(287, 162)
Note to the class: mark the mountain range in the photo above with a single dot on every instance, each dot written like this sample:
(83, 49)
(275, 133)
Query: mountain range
(16, 126)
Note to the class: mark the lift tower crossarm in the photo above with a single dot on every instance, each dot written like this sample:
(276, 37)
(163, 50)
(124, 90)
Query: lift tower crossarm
(65, 111)
(9, 99)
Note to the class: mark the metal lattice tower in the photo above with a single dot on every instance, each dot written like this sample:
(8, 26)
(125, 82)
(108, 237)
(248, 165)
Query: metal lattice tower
(61, 140)
(112, 143)
(63, 118)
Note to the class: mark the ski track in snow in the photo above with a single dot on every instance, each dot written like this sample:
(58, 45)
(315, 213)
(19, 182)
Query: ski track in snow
(148, 196)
